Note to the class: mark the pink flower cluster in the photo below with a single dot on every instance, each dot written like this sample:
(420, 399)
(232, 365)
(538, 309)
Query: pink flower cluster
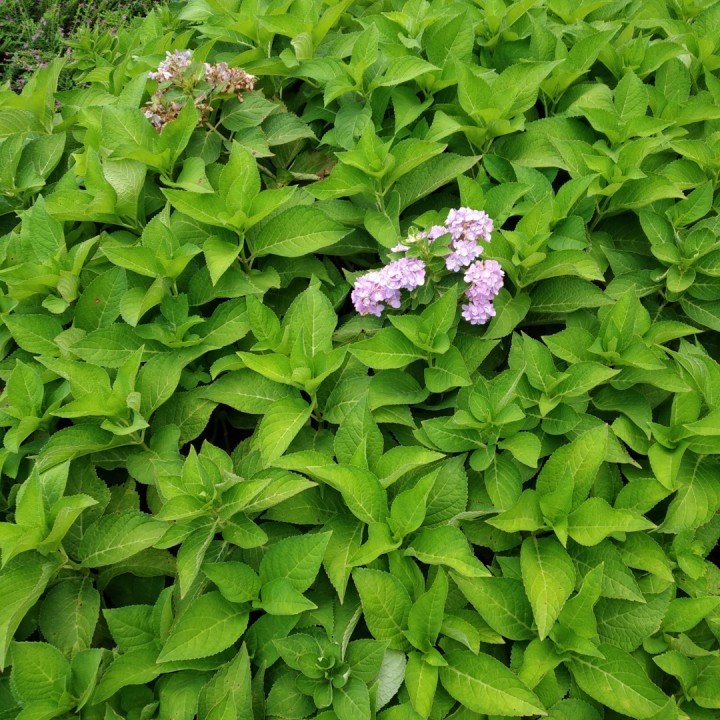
(383, 286)
(466, 227)
(486, 279)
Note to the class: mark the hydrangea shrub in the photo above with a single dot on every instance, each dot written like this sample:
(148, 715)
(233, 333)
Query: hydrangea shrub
(390, 391)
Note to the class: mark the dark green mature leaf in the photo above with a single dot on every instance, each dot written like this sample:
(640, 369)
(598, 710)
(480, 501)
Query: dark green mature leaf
(431, 175)
(297, 231)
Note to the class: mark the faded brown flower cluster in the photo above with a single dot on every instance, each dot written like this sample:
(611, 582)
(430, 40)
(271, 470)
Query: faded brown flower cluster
(178, 80)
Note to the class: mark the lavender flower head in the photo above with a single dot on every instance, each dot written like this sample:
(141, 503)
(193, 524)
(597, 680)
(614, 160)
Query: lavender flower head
(486, 279)
(468, 224)
(465, 251)
(404, 274)
(466, 227)
(383, 286)
(370, 292)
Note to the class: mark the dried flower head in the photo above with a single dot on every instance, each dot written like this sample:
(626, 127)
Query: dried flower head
(202, 86)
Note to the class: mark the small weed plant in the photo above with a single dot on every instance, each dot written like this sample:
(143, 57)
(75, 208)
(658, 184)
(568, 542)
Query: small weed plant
(360, 359)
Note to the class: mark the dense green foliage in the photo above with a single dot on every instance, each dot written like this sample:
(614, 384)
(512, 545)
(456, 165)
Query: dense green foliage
(226, 494)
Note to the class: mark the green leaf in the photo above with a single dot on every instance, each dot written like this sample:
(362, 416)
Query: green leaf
(208, 209)
(409, 506)
(25, 389)
(239, 181)
(391, 677)
(279, 597)
(245, 391)
(228, 695)
(358, 440)
(577, 614)
(631, 97)
(617, 581)
(618, 681)
(426, 614)
(403, 69)
(684, 614)
(394, 387)
(295, 559)
(548, 575)
(446, 545)
(99, 304)
(219, 256)
(706, 693)
(563, 295)
(577, 462)
(365, 497)
(387, 349)
(448, 371)
(280, 424)
(421, 682)
(311, 314)
(525, 514)
(131, 626)
(207, 626)
(297, 231)
(236, 581)
(365, 657)
(285, 700)
(69, 614)
(109, 346)
(431, 175)
(136, 667)
(34, 333)
(595, 520)
(697, 498)
(628, 624)
(22, 582)
(118, 536)
(502, 603)
(386, 605)
(39, 672)
(402, 459)
(346, 540)
(352, 700)
(485, 685)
